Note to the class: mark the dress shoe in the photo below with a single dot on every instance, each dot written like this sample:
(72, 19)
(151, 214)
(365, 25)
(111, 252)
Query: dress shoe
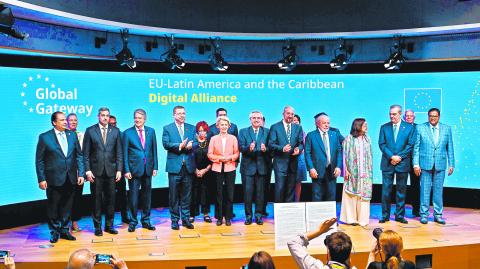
(175, 226)
(207, 219)
(191, 219)
(383, 220)
(187, 224)
(148, 226)
(228, 222)
(98, 232)
(423, 220)
(111, 230)
(439, 220)
(54, 237)
(131, 228)
(68, 236)
(248, 221)
(401, 220)
(219, 222)
(259, 221)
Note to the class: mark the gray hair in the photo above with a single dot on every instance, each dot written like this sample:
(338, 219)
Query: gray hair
(396, 106)
(103, 108)
(255, 111)
(141, 112)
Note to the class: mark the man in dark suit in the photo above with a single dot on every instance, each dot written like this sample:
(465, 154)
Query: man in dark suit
(233, 130)
(102, 150)
(140, 164)
(413, 193)
(253, 167)
(286, 142)
(179, 140)
(396, 141)
(324, 159)
(121, 200)
(59, 166)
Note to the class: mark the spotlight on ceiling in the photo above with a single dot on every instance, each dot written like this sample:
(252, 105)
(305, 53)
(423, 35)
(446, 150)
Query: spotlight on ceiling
(125, 56)
(342, 56)
(172, 60)
(396, 58)
(290, 58)
(6, 23)
(217, 62)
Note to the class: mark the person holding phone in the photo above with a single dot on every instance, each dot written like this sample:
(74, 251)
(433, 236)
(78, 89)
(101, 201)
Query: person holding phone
(179, 141)
(86, 259)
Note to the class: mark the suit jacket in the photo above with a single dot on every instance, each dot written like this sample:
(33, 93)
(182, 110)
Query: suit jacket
(315, 153)
(426, 154)
(256, 160)
(215, 151)
(402, 147)
(138, 160)
(99, 157)
(171, 141)
(282, 161)
(52, 165)
(233, 130)
(340, 136)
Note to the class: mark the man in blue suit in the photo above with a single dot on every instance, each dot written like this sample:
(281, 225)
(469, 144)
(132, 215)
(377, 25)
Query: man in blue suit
(140, 164)
(324, 160)
(253, 167)
(433, 147)
(59, 166)
(233, 129)
(286, 142)
(179, 140)
(103, 155)
(396, 142)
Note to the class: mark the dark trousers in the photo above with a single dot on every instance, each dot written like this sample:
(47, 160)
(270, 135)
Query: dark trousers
(285, 186)
(251, 183)
(414, 192)
(225, 191)
(179, 194)
(103, 192)
(140, 188)
(59, 206)
(121, 200)
(324, 189)
(77, 202)
(266, 190)
(401, 190)
(199, 201)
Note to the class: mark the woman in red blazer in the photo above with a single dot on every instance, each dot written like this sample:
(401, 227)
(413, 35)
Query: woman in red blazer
(223, 152)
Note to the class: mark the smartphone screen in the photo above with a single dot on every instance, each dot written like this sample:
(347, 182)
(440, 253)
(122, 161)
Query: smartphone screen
(4, 253)
(103, 258)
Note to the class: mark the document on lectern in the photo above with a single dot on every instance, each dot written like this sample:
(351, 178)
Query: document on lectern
(292, 219)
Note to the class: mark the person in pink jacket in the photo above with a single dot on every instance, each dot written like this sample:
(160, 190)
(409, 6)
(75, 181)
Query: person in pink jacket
(223, 152)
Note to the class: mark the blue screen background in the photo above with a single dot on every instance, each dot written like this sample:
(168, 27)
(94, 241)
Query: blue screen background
(343, 96)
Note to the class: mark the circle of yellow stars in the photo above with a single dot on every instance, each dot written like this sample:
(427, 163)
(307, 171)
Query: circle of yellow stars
(25, 86)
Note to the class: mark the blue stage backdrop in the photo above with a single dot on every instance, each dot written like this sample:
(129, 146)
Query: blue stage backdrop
(29, 96)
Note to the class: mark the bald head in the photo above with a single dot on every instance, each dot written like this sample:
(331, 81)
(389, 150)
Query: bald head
(81, 259)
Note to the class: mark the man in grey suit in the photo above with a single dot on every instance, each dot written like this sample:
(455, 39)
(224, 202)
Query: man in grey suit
(286, 142)
(103, 155)
(253, 167)
(59, 166)
(141, 164)
(396, 140)
(179, 140)
(433, 148)
(324, 159)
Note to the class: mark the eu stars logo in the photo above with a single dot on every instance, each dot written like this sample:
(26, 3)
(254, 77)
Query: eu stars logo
(422, 99)
(41, 96)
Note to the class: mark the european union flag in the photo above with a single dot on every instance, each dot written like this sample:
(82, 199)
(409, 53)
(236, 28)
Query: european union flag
(422, 99)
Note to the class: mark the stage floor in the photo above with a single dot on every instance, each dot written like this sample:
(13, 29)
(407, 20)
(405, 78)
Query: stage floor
(455, 245)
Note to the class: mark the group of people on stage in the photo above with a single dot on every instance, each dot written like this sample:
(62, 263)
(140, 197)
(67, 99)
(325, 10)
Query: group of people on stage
(196, 154)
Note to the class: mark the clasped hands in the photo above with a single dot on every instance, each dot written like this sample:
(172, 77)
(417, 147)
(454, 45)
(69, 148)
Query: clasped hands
(288, 147)
(263, 148)
(395, 160)
(186, 144)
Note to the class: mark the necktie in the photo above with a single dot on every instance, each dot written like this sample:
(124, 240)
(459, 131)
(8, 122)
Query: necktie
(63, 143)
(255, 131)
(140, 133)
(180, 130)
(395, 132)
(289, 133)
(327, 149)
(104, 135)
(435, 135)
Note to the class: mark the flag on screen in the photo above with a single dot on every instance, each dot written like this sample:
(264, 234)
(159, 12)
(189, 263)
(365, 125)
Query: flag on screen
(422, 99)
